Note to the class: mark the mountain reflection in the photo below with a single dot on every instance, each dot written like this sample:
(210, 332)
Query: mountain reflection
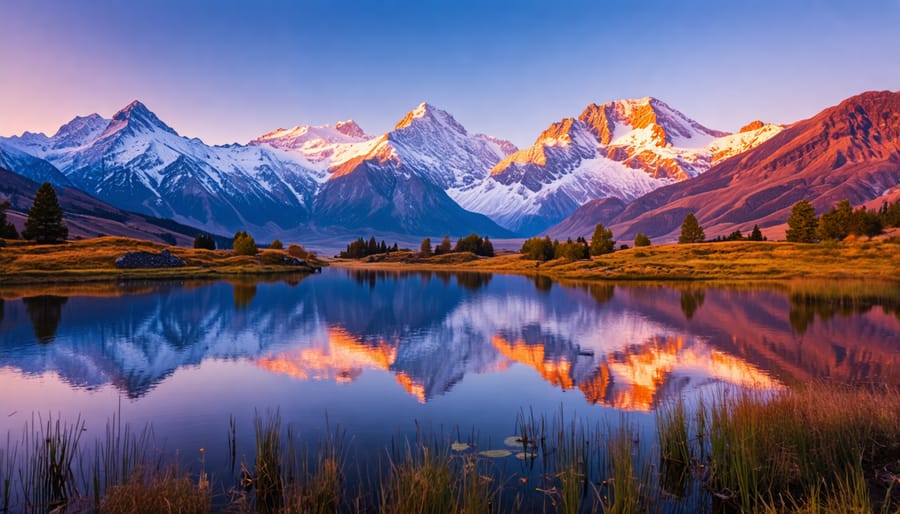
(628, 347)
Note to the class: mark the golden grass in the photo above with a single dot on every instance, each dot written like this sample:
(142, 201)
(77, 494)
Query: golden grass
(732, 261)
(94, 260)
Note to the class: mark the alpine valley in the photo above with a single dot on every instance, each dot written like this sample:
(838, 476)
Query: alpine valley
(636, 164)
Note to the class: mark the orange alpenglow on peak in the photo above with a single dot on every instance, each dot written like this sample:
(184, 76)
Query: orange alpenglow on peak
(753, 125)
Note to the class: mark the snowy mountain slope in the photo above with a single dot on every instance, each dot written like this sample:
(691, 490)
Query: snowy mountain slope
(402, 183)
(137, 162)
(621, 149)
(31, 167)
(322, 146)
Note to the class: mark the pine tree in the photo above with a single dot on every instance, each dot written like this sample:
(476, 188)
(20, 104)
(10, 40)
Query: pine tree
(487, 247)
(802, 223)
(44, 223)
(691, 231)
(7, 229)
(602, 241)
(641, 240)
(445, 247)
(756, 235)
(835, 224)
(425, 247)
(276, 245)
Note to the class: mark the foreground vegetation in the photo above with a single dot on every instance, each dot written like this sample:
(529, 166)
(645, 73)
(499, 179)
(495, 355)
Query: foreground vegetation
(94, 260)
(819, 449)
(725, 261)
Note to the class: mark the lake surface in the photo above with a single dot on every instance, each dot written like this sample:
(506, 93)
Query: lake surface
(379, 354)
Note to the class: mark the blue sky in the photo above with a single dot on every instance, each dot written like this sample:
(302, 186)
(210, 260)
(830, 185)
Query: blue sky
(228, 71)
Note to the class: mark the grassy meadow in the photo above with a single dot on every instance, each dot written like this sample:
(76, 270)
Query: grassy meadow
(94, 260)
(728, 261)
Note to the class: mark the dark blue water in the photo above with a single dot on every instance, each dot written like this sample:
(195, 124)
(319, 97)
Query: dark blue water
(381, 354)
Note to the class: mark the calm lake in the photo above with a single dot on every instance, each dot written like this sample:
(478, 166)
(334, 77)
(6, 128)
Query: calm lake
(381, 354)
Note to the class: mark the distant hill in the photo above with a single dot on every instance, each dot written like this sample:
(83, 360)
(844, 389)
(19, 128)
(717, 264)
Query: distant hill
(88, 217)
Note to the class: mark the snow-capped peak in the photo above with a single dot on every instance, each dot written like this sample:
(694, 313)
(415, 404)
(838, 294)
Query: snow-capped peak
(350, 128)
(426, 113)
(139, 118)
(80, 131)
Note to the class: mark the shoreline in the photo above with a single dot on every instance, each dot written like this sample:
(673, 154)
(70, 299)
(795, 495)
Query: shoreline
(742, 262)
(739, 262)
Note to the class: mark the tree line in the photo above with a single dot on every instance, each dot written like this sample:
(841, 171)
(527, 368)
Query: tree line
(839, 222)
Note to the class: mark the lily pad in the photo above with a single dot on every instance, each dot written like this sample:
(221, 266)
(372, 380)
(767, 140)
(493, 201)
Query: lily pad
(495, 454)
(460, 447)
(514, 440)
(530, 454)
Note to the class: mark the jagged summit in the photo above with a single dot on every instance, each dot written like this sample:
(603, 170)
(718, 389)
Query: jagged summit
(81, 126)
(425, 113)
(349, 128)
(137, 117)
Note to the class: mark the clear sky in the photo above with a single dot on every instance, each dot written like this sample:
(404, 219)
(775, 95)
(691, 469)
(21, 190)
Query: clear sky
(227, 71)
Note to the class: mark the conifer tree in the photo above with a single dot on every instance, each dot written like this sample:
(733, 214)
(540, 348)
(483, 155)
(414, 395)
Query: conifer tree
(44, 223)
(445, 247)
(7, 229)
(691, 231)
(802, 223)
(756, 234)
(425, 247)
(602, 241)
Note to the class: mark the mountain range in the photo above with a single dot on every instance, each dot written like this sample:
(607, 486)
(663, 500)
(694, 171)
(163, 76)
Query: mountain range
(638, 165)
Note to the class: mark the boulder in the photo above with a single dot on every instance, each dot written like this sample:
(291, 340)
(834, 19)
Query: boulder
(163, 259)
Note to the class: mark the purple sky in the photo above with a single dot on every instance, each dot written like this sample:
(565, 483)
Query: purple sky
(227, 71)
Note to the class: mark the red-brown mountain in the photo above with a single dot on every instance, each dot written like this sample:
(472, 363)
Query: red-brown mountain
(849, 151)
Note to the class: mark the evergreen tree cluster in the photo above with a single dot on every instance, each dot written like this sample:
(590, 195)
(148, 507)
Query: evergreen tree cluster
(7, 229)
(476, 244)
(362, 248)
(244, 244)
(839, 222)
(204, 242)
(755, 235)
(545, 249)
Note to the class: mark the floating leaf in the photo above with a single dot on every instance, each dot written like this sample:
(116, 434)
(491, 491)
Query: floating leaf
(514, 441)
(530, 454)
(459, 447)
(495, 454)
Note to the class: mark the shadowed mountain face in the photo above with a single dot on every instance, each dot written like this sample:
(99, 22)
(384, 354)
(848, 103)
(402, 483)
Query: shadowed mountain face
(850, 151)
(625, 347)
(88, 217)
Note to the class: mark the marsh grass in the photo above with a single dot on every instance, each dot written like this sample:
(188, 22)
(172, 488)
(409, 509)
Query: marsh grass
(812, 450)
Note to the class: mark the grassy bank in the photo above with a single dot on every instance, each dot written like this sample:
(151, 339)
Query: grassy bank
(94, 260)
(730, 261)
(819, 449)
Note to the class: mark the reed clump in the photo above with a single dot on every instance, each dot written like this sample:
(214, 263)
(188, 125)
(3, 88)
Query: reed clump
(818, 449)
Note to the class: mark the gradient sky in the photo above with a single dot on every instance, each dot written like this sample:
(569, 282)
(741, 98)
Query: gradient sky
(227, 71)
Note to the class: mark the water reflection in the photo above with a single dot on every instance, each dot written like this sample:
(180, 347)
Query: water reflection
(691, 300)
(45, 312)
(243, 294)
(628, 347)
